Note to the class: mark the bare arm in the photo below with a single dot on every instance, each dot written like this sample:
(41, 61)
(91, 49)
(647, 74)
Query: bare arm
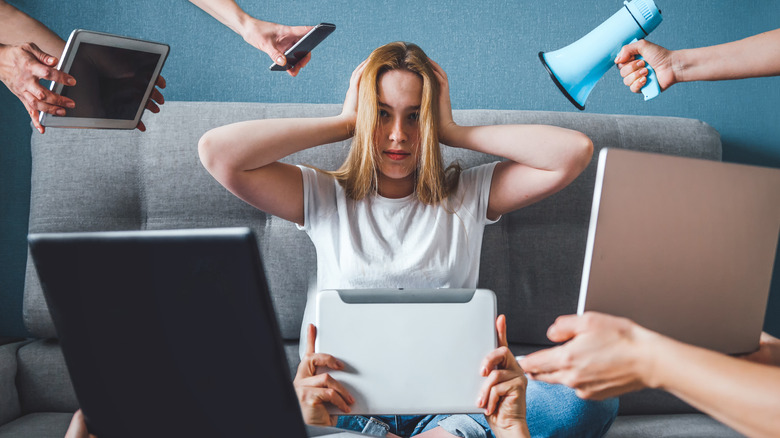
(605, 356)
(755, 56)
(17, 28)
(244, 156)
(542, 159)
(272, 38)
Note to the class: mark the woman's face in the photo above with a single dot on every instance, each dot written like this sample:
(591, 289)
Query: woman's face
(397, 136)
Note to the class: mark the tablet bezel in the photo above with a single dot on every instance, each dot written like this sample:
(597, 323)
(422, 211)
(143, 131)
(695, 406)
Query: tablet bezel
(79, 36)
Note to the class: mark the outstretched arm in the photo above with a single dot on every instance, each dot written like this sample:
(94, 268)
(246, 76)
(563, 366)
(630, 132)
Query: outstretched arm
(541, 159)
(605, 356)
(244, 156)
(29, 52)
(272, 38)
(755, 56)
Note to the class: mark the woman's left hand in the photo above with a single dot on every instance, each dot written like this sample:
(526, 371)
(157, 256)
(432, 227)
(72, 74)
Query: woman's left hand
(503, 393)
(446, 124)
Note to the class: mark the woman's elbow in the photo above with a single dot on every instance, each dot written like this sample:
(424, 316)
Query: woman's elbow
(583, 152)
(208, 151)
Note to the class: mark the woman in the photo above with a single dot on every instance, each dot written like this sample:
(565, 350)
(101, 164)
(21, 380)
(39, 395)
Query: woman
(393, 215)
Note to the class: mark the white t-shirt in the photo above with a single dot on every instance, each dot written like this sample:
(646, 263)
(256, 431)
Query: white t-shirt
(380, 242)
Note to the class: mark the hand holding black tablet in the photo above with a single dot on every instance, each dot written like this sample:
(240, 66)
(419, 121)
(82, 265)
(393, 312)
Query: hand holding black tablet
(115, 76)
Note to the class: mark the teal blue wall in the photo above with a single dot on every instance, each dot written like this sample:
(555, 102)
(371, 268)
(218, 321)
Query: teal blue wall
(489, 49)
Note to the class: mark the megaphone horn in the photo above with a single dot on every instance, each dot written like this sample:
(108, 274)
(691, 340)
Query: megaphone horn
(576, 68)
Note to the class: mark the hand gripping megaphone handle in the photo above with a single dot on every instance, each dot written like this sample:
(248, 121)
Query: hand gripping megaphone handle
(652, 88)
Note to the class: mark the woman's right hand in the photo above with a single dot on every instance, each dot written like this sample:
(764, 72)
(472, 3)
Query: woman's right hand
(503, 393)
(316, 390)
(349, 111)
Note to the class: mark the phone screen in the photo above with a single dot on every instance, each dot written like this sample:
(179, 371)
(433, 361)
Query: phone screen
(304, 46)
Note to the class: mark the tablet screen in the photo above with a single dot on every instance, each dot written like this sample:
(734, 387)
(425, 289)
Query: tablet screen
(110, 81)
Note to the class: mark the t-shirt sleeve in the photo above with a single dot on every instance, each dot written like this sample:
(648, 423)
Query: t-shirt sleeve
(474, 191)
(319, 197)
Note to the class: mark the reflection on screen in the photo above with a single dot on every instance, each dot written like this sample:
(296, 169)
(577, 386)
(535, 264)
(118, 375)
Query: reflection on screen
(110, 82)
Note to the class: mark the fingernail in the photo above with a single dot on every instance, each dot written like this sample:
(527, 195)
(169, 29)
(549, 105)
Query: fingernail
(60, 112)
(71, 81)
(71, 104)
(479, 401)
(280, 60)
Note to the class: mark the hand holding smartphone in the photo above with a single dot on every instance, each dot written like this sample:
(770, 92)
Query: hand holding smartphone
(304, 46)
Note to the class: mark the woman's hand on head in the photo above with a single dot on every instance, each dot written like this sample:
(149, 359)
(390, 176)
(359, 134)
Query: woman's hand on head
(349, 111)
(503, 394)
(314, 390)
(446, 124)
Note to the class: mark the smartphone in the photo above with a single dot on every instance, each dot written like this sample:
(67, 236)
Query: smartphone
(304, 46)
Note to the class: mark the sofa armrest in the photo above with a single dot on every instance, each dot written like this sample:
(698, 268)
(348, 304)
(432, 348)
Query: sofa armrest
(10, 407)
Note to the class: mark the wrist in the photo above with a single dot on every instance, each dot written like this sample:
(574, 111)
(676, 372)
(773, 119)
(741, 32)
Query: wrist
(519, 432)
(347, 123)
(449, 134)
(651, 348)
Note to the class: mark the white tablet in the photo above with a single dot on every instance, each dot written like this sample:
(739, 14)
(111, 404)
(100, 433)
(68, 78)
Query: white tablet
(408, 351)
(114, 77)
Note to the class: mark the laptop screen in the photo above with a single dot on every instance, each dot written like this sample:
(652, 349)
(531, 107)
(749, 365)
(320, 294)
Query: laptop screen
(170, 332)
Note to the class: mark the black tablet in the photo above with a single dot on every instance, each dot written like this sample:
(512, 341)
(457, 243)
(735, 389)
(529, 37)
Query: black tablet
(114, 77)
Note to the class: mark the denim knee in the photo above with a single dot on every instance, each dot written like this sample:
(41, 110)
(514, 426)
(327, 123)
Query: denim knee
(556, 411)
(460, 425)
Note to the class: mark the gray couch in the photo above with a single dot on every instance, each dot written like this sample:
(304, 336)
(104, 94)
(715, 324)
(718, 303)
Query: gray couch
(117, 180)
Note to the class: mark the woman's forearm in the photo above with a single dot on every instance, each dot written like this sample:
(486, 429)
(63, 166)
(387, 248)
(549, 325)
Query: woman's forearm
(539, 146)
(741, 394)
(16, 28)
(250, 145)
(755, 56)
(226, 12)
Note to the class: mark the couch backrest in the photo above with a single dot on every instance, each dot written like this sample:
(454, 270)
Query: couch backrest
(86, 180)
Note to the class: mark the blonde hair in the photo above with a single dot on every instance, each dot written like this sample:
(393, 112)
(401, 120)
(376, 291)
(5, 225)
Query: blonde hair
(358, 175)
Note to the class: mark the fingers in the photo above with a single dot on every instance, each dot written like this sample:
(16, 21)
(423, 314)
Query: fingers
(140, 126)
(627, 52)
(311, 335)
(501, 331)
(500, 358)
(541, 362)
(44, 68)
(495, 377)
(160, 82)
(155, 98)
(323, 388)
(299, 65)
(77, 427)
(564, 328)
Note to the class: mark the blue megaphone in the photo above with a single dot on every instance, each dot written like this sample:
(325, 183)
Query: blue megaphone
(576, 68)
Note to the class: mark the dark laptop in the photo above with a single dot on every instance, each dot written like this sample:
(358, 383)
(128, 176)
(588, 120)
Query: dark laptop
(170, 333)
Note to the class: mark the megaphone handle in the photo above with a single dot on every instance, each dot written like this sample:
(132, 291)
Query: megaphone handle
(651, 88)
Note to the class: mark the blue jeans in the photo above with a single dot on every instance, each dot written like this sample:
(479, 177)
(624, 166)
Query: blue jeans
(552, 411)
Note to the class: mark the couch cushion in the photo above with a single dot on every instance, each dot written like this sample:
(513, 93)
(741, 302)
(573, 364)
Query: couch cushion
(669, 426)
(39, 425)
(10, 407)
(42, 380)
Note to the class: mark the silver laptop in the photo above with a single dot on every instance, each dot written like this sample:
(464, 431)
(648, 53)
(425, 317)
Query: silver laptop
(408, 351)
(170, 333)
(683, 246)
